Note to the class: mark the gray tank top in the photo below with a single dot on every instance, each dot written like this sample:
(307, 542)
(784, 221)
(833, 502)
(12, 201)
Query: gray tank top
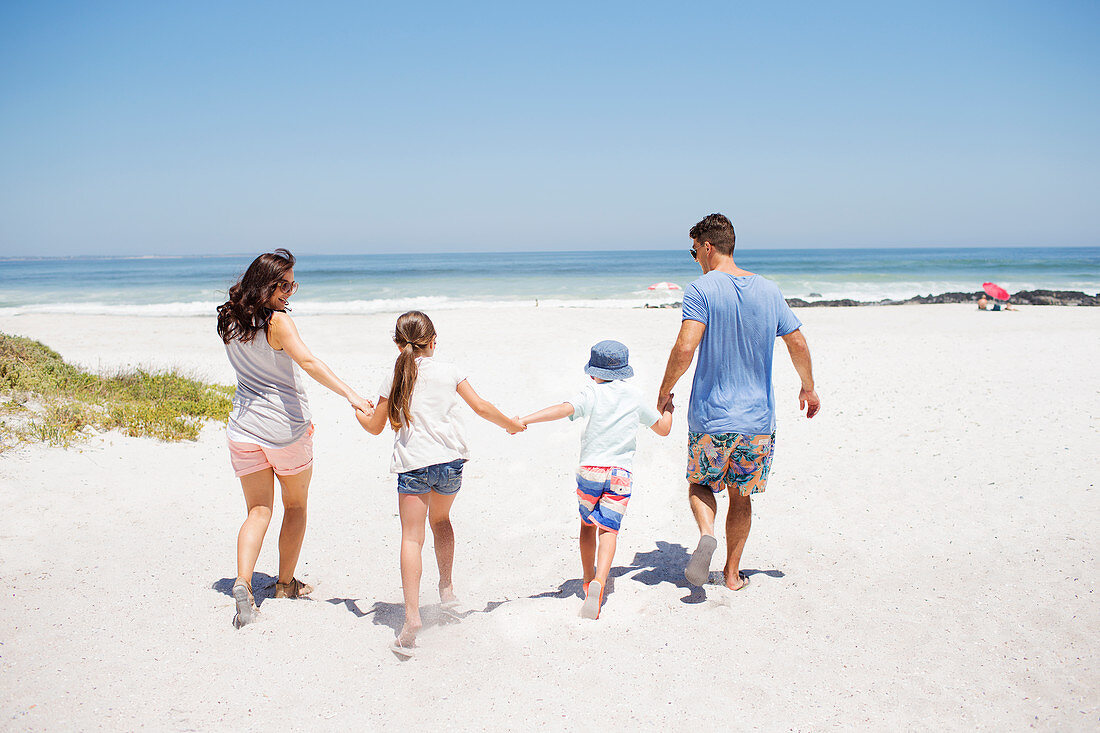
(270, 407)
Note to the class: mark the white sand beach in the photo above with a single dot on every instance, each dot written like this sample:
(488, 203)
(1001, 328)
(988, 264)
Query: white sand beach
(925, 556)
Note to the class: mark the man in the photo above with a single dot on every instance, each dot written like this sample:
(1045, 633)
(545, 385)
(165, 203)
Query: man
(733, 317)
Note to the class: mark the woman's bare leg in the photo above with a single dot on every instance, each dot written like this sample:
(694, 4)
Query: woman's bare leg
(259, 494)
(413, 509)
(293, 532)
(439, 516)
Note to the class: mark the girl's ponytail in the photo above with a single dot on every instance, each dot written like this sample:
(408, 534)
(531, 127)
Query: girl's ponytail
(413, 334)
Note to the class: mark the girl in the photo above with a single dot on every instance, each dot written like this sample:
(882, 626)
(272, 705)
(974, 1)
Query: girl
(420, 403)
(270, 433)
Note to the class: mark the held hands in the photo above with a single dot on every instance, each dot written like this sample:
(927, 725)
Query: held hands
(361, 405)
(664, 403)
(808, 399)
(515, 425)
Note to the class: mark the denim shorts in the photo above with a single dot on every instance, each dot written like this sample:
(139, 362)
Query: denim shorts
(442, 478)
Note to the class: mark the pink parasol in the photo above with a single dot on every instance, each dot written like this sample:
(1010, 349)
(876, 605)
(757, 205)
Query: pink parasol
(995, 291)
(663, 286)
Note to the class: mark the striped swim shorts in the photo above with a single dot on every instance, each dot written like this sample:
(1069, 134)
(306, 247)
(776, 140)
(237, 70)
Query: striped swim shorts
(602, 495)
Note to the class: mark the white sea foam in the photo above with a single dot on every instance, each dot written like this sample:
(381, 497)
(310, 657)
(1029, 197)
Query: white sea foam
(792, 288)
(114, 309)
(317, 307)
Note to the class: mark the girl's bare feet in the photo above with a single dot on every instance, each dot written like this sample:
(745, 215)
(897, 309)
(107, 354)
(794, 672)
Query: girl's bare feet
(447, 597)
(407, 637)
(405, 643)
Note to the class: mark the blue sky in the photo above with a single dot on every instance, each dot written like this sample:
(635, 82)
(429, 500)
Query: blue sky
(202, 127)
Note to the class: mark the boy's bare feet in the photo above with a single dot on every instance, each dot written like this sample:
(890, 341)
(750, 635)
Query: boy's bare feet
(593, 598)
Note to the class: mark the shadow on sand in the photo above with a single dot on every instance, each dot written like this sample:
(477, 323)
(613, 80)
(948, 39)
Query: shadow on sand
(664, 564)
(263, 587)
(392, 615)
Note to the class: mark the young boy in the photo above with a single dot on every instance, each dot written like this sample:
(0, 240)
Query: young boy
(615, 411)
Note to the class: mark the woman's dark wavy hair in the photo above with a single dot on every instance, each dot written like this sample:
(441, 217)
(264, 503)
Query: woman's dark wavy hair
(246, 313)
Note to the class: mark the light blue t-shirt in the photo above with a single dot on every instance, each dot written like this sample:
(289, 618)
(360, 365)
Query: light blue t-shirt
(615, 411)
(732, 389)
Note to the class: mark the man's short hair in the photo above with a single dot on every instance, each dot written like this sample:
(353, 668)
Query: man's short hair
(716, 229)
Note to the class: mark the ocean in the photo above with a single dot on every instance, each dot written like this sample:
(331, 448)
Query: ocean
(351, 284)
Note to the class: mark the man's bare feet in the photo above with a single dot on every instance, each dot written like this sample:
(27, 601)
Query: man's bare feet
(740, 581)
(698, 567)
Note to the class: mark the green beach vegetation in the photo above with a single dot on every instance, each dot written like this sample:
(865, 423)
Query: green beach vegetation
(45, 399)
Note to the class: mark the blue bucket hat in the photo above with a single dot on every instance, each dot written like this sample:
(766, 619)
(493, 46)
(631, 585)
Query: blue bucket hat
(609, 360)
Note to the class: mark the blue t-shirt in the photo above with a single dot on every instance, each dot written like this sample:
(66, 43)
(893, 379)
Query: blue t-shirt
(732, 389)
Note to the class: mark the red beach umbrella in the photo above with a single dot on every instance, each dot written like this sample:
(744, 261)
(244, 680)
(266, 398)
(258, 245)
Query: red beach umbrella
(663, 286)
(995, 291)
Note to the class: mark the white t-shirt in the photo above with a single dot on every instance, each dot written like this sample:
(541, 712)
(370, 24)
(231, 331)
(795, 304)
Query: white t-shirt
(437, 433)
(615, 411)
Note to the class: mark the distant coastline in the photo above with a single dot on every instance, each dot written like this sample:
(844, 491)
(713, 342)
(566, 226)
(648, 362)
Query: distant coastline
(1024, 297)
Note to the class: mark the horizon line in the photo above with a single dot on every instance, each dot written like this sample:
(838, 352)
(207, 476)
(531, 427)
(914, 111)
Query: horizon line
(151, 256)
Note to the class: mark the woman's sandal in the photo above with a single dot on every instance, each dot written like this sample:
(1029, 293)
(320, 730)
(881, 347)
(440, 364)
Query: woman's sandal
(294, 589)
(246, 606)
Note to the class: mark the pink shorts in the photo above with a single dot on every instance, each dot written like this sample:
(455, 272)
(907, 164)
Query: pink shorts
(249, 458)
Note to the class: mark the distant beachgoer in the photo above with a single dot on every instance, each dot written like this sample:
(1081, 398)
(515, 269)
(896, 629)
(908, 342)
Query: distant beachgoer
(983, 304)
(420, 402)
(615, 411)
(270, 432)
(733, 317)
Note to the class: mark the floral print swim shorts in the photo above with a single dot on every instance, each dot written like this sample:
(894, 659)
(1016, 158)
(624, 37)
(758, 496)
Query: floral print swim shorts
(730, 461)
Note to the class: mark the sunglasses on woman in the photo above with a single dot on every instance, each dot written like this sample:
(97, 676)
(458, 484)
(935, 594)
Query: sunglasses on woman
(288, 288)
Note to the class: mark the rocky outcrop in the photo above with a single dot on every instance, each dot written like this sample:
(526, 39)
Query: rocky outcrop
(1024, 297)
(1054, 297)
(846, 303)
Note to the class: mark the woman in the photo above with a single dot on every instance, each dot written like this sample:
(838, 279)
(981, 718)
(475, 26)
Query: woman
(270, 433)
